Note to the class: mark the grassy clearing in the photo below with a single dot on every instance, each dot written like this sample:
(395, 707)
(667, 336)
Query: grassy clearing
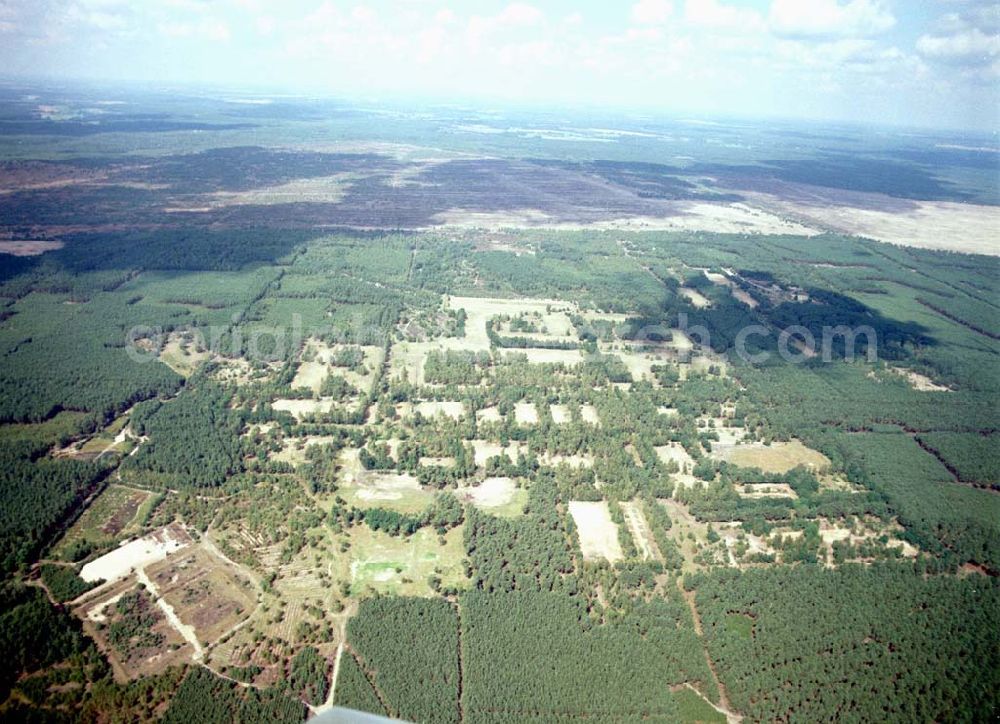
(302, 408)
(497, 496)
(402, 493)
(403, 566)
(778, 457)
(181, 354)
(294, 449)
(696, 298)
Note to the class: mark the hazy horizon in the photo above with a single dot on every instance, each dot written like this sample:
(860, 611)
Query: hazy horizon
(929, 65)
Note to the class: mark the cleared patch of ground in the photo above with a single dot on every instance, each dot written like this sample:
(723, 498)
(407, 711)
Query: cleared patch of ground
(919, 382)
(402, 566)
(537, 355)
(488, 414)
(639, 528)
(640, 358)
(372, 489)
(311, 374)
(766, 490)
(579, 460)
(135, 554)
(204, 591)
(525, 413)
(110, 515)
(688, 533)
(589, 414)
(947, 225)
(149, 650)
(28, 247)
(552, 314)
(695, 297)
(560, 414)
(483, 450)
(294, 448)
(778, 457)
(497, 496)
(303, 408)
(181, 354)
(675, 452)
(432, 408)
(598, 533)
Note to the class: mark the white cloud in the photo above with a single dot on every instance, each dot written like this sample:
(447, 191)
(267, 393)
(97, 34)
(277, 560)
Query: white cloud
(265, 24)
(828, 18)
(207, 29)
(651, 12)
(519, 14)
(720, 16)
(971, 47)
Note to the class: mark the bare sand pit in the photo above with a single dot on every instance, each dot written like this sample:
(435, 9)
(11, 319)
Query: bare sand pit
(525, 413)
(742, 295)
(28, 247)
(638, 359)
(560, 414)
(433, 408)
(947, 225)
(598, 533)
(668, 411)
(553, 315)
(919, 382)
(674, 452)
(133, 555)
(311, 374)
(778, 457)
(696, 298)
(766, 490)
(589, 415)
(302, 408)
(484, 450)
(536, 355)
(488, 414)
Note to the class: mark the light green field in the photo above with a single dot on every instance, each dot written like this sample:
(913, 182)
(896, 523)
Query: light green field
(401, 565)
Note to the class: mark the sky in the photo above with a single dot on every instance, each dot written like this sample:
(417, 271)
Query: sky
(932, 63)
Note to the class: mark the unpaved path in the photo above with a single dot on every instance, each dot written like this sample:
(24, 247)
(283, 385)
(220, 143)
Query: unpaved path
(723, 697)
(640, 531)
(182, 628)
